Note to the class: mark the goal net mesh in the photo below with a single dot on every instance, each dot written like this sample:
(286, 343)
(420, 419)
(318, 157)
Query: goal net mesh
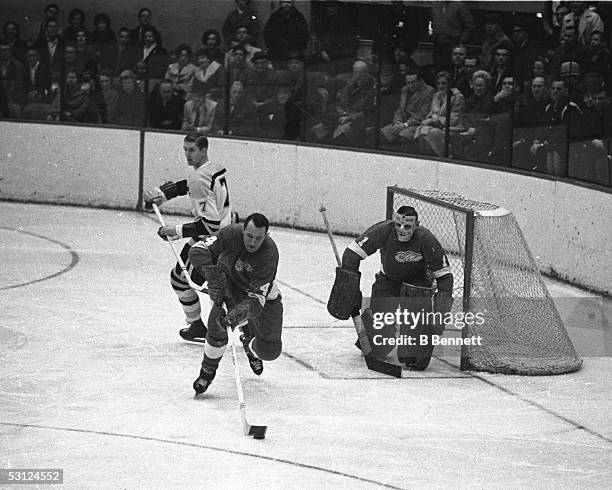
(495, 275)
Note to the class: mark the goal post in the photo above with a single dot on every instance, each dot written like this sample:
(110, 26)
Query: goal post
(495, 278)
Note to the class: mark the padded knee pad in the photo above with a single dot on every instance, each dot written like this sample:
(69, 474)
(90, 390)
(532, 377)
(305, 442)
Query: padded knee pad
(267, 351)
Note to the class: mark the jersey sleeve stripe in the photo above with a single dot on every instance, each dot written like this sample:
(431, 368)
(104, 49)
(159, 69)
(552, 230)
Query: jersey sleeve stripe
(213, 179)
(210, 221)
(354, 247)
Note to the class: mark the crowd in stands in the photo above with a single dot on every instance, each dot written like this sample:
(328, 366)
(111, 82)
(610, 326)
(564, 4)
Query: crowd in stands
(489, 95)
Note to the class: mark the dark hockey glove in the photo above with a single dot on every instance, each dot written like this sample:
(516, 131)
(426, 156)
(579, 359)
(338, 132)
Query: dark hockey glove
(161, 235)
(345, 296)
(217, 283)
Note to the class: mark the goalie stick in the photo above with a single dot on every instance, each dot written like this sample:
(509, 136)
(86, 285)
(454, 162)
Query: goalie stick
(257, 431)
(372, 362)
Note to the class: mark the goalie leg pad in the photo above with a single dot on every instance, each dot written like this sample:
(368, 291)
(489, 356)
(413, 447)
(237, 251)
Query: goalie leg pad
(345, 295)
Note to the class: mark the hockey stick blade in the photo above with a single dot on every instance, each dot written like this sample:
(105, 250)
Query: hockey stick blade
(258, 431)
(383, 367)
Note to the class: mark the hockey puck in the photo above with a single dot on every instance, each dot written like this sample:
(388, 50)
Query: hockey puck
(259, 436)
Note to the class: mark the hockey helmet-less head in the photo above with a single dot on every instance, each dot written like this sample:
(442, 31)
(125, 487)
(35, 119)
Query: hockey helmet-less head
(406, 221)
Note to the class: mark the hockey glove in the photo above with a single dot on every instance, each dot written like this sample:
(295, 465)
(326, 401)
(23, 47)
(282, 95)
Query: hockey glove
(154, 195)
(217, 283)
(345, 296)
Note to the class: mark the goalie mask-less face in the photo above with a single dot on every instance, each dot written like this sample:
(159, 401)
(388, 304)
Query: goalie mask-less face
(405, 226)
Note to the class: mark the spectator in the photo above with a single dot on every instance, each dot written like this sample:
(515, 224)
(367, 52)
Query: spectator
(111, 96)
(36, 82)
(415, 102)
(333, 43)
(209, 75)
(12, 38)
(120, 56)
(241, 16)
(540, 68)
(574, 83)
(354, 110)
(296, 101)
(51, 48)
(529, 113)
(459, 75)
(211, 39)
(583, 21)
(396, 23)
(532, 104)
(475, 136)
(85, 52)
(137, 34)
(39, 29)
(165, 107)
(182, 72)
(501, 122)
(597, 58)
(199, 113)
(502, 66)
(130, 102)
(452, 24)
(153, 57)
(590, 159)
(76, 22)
(431, 134)
(241, 38)
(285, 31)
(81, 100)
(11, 78)
(523, 54)
(70, 59)
(238, 66)
(102, 35)
(273, 121)
(549, 143)
(570, 49)
(561, 11)
(66, 100)
(239, 117)
(464, 84)
(494, 36)
(260, 84)
(95, 110)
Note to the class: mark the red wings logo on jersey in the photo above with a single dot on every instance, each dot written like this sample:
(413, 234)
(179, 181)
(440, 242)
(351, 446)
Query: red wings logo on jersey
(240, 266)
(408, 256)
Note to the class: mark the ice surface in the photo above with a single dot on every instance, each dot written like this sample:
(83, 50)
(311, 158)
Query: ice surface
(95, 380)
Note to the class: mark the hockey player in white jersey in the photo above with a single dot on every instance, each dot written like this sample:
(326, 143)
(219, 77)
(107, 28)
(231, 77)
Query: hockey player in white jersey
(207, 188)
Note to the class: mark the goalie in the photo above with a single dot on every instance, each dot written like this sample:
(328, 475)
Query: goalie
(415, 277)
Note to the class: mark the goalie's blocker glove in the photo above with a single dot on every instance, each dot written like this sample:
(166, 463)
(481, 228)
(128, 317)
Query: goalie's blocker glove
(345, 297)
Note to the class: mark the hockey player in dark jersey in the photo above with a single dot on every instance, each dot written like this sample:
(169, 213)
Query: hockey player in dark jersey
(207, 189)
(240, 264)
(414, 272)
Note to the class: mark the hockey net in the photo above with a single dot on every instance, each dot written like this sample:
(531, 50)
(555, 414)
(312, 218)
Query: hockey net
(494, 274)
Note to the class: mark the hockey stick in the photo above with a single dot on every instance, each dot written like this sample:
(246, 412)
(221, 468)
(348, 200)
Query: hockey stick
(257, 431)
(372, 362)
(179, 260)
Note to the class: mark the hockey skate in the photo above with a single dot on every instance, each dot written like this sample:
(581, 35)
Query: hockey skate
(255, 362)
(195, 332)
(201, 384)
